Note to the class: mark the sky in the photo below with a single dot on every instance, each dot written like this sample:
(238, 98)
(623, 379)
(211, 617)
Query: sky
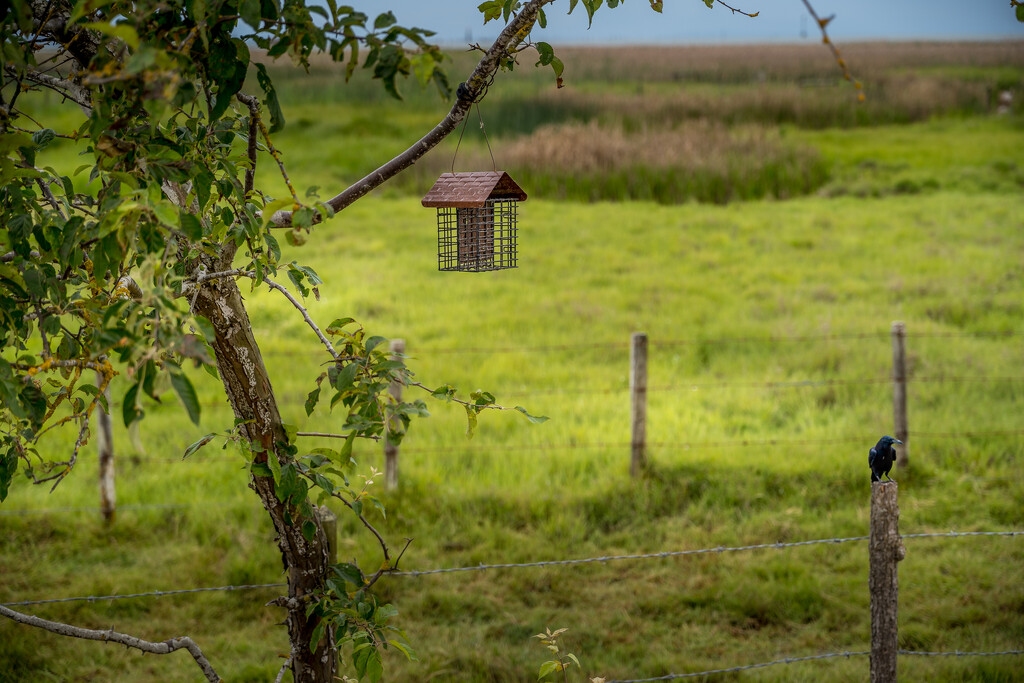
(458, 22)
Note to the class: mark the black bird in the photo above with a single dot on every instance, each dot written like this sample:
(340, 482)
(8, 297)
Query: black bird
(881, 458)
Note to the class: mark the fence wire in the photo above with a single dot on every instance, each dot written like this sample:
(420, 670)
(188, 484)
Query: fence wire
(546, 563)
(797, 339)
(795, 660)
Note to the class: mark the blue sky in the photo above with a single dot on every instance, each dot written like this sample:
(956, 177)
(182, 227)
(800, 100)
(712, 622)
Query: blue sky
(690, 21)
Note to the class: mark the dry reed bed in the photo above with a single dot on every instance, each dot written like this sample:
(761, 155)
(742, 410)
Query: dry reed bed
(737, 63)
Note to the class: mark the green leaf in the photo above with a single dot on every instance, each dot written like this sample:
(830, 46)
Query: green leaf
(130, 410)
(274, 465)
(384, 20)
(350, 573)
(311, 400)
(318, 635)
(270, 98)
(346, 378)
(492, 9)
(573, 658)
(197, 445)
(250, 12)
(405, 649)
(187, 393)
(1020, 13)
(335, 328)
(121, 31)
(535, 419)
(43, 137)
(8, 466)
(227, 71)
(368, 663)
(546, 669)
(445, 392)
(190, 225)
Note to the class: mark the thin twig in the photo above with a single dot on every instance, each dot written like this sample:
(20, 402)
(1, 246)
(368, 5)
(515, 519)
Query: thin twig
(204, 277)
(329, 435)
(111, 636)
(284, 667)
(822, 23)
(254, 116)
(735, 10)
(67, 89)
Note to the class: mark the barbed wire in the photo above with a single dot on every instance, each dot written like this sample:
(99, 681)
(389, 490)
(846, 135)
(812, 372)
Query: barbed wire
(766, 384)
(770, 339)
(665, 445)
(147, 594)
(748, 667)
(795, 660)
(129, 506)
(957, 653)
(544, 563)
(702, 551)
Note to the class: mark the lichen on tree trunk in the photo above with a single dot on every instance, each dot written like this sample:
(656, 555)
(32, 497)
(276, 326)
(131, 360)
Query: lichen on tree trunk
(248, 388)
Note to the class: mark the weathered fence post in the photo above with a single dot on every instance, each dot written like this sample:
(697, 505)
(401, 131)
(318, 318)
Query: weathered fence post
(885, 548)
(105, 445)
(390, 449)
(899, 392)
(638, 403)
(329, 521)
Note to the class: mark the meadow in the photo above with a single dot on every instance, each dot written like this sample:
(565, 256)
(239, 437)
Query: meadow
(764, 229)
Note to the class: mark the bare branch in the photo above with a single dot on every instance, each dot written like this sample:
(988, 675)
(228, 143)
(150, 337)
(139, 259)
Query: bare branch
(822, 23)
(72, 91)
(302, 310)
(284, 667)
(473, 90)
(736, 10)
(330, 435)
(111, 636)
(254, 117)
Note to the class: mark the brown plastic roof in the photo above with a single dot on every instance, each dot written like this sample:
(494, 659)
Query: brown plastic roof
(472, 189)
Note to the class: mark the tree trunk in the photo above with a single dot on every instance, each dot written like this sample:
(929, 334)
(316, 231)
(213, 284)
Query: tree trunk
(252, 398)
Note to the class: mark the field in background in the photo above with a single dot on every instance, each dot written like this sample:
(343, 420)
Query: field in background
(769, 328)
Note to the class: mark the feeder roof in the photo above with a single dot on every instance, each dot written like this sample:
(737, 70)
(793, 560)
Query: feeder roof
(472, 190)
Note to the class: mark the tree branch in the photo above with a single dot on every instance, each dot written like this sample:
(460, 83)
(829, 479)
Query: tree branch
(474, 90)
(111, 636)
(72, 91)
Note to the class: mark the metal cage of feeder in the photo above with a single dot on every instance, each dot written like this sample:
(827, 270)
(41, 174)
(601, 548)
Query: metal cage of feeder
(476, 220)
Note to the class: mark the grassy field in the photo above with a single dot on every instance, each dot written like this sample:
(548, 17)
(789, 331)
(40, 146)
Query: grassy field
(770, 357)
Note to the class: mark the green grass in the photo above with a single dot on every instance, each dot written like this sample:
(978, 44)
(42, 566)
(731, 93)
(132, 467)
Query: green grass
(590, 275)
(735, 299)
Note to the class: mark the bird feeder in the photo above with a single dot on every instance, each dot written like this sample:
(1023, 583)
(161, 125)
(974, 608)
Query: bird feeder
(476, 220)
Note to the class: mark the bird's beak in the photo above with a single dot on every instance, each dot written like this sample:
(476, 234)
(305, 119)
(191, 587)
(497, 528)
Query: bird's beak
(897, 441)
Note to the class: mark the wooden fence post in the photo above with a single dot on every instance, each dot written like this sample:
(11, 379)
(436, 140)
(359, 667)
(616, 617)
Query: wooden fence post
(391, 450)
(885, 548)
(638, 403)
(105, 445)
(899, 392)
(329, 521)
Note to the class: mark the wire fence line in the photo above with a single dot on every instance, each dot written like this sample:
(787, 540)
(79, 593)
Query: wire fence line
(543, 563)
(796, 660)
(665, 445)
(769, 339)
(147, 594)
(130, 506)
